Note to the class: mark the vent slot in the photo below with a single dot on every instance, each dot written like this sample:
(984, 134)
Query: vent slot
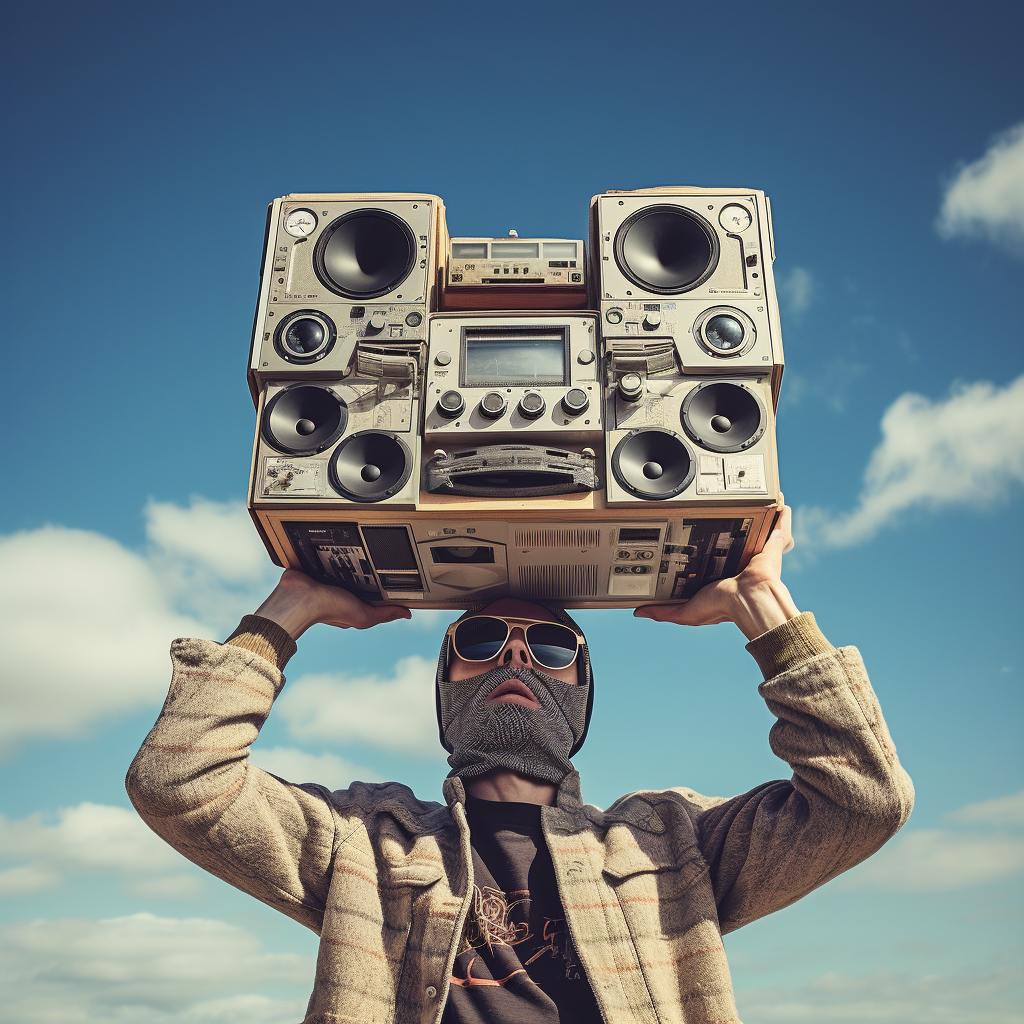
(558, 580)
(569, 537)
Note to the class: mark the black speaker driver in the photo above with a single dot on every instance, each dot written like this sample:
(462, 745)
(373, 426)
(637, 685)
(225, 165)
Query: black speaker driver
(305, 336)
(723, 417)
(365, 254)
(304, 419)
(653, 463)
(666, 249)
(370, 466)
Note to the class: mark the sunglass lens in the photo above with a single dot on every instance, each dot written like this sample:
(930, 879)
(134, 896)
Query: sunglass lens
(551, 644)
(480, 639)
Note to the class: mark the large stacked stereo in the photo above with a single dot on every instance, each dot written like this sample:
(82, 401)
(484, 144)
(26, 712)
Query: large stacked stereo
(448, 420)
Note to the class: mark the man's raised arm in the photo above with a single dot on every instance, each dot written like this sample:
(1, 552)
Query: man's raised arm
(848, 793)
(192, 783)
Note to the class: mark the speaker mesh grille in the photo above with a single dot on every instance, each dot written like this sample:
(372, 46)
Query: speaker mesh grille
(389, 547)
(569, 537)
(558, 580)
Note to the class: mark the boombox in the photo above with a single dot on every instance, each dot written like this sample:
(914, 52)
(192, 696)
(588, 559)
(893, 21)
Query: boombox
(444, 421)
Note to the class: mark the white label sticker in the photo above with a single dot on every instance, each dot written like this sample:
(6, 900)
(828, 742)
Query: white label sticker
(711, 475)
(286, 478)
(744, 473)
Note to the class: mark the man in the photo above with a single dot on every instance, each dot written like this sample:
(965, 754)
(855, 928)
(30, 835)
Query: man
(515, 902)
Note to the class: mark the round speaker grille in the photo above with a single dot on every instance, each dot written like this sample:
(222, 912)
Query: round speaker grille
(304, 419)
(723, 417)
(365, 254)
(653, 463)
(305, 336)
(666, 249)
(370, 466)
(725, 332)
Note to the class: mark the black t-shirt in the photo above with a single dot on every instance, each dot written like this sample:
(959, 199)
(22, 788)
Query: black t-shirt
(516, 961)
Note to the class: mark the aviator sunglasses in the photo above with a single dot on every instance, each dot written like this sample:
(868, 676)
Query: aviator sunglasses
(481, 638)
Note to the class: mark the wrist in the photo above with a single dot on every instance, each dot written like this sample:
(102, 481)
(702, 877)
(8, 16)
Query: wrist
(292, 607)
(762, 606)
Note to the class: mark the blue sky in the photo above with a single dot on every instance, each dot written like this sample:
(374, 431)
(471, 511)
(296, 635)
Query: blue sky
(143, 143)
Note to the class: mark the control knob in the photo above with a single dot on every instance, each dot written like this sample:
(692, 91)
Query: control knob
(652, 320)
(376, 321)
(532, 405)
(631, 387)
(575, 401)
(493, 405)
(451, 404)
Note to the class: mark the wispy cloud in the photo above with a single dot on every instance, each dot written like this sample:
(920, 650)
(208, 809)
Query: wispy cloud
(967, 450)
(394, 714)
(300, 766)
(88, 838)
(986, 198)
(1003, 812)
(888, 998)
(147, 970)
(796, 289)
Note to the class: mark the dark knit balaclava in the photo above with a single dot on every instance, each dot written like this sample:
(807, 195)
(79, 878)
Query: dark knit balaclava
(537, 742)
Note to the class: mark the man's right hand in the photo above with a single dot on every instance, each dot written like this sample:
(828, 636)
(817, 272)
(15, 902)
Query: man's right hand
(299, 602)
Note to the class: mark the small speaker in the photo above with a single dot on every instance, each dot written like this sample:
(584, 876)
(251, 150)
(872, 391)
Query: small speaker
(305, 336)
(723, 417)
(653, 463)
(666, 249)
(365, 254)
(304, 419)
(370, 466)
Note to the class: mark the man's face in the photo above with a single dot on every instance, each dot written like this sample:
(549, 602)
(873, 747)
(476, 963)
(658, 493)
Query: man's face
(515, 654)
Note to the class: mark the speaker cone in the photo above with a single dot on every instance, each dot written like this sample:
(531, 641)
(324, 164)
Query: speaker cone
(725, 331)
(365, 254)
(304, 419)
(666, 249)
(653, 463)
(370, 466)
(723, 417)
(305, 336)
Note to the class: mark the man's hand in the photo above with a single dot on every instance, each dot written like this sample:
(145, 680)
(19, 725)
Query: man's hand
(757, 600)
(299, 602)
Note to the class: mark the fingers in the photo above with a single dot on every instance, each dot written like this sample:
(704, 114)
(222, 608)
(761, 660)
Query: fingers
(678, 613)
(376, 615)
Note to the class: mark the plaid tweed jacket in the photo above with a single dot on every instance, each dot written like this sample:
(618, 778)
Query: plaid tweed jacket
(648, 886)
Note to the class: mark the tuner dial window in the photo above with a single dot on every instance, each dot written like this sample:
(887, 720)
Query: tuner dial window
(300, 223)
(532, 404)
(451, 404)
(575, 401)
(493, 405)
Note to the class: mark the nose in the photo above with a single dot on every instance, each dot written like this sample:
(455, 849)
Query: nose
(515, 653)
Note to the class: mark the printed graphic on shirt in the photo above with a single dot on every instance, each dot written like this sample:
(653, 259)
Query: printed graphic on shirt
(503, 919)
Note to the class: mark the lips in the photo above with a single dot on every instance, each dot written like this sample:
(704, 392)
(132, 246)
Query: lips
(513, 691)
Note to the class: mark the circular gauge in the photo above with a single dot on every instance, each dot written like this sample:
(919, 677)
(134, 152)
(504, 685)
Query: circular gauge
(300, 223)
(725, 331)
(734, 217)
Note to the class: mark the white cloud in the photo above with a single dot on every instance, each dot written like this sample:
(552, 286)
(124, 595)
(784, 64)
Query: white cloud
(300, 766)
(85, 622)
(986, 198)
(887, 998)
(89, 837)
(144, 969)
(797, 289)
(965, 451)
(934, 860)
(396, 714)
(1003, 811)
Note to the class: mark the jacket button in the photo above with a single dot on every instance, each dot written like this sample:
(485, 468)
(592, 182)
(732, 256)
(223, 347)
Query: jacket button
(431, 992)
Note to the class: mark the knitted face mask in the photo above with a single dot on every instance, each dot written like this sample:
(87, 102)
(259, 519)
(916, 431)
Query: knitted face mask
(532, 741)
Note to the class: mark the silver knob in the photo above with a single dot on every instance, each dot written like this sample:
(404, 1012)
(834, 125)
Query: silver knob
(652, 320)
(631, 387)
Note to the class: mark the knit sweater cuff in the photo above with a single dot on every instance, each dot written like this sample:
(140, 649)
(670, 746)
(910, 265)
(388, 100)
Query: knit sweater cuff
(788, 645)
(264, 637)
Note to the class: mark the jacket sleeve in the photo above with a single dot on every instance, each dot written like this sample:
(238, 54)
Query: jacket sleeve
(193, 785)
(847, 796)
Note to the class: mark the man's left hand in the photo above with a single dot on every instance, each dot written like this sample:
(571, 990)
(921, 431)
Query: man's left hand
(756, 600)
